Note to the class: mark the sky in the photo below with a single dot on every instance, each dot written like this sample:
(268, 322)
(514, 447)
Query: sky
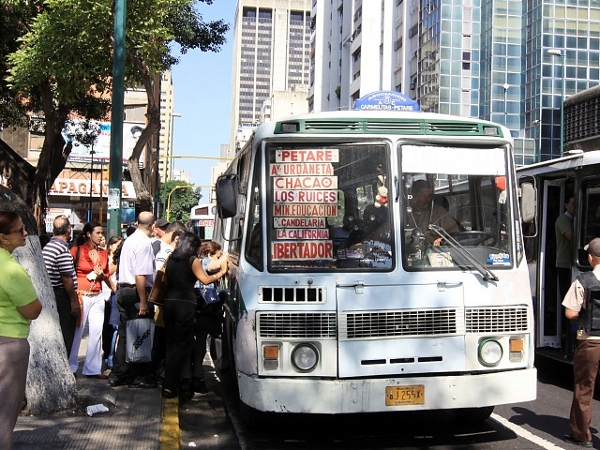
(202, 88)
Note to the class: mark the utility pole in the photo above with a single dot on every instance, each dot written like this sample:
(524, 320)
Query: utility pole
(115, 183)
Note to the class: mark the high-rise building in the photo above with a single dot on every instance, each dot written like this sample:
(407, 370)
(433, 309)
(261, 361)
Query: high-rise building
(271, 53)
(167, 115)
(508, 61)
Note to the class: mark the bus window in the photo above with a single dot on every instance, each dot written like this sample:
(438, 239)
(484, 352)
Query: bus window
(254, 244)
(326, 212)
(454, 219)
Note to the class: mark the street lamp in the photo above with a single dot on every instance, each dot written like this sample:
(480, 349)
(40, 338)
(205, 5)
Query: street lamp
(505, 86)
(92, 184)
(170, 149)
(560, 54)
(538, 139)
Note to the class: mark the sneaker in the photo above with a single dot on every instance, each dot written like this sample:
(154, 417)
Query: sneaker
(571, 440)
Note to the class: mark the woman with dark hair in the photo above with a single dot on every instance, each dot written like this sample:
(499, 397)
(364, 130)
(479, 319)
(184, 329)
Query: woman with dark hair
(209, 315)
(183, 269)
(111, 312)
(91, 267)
(19, 305)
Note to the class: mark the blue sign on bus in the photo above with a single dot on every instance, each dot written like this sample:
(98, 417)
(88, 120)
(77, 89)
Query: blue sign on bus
(386, 101)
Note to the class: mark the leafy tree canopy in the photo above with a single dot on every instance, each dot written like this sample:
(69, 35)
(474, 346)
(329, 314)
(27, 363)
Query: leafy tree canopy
(56, 60)
(178, 199)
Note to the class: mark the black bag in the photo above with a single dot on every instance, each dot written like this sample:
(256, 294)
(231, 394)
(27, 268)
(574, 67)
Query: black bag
(589, 318)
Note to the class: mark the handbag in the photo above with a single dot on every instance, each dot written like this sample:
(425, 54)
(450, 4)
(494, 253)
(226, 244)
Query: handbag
(210, 294)
(139, 338)
(160, 285)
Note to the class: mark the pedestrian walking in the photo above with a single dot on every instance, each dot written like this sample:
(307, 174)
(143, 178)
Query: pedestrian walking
(60, 267)
(19, 305)
(586, 359)
(91, 267)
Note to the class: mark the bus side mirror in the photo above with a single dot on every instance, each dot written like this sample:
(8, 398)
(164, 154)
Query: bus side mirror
(528, 203)
(227, 190)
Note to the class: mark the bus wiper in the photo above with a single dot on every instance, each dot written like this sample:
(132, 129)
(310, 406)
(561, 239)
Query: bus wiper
(485, 273)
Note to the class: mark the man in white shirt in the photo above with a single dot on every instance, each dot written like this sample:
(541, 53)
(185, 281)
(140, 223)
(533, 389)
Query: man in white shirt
(136, 275)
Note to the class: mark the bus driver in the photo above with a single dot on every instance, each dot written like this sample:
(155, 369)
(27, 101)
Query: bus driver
(424, 212)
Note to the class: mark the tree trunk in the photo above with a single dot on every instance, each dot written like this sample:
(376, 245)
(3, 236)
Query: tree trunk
(153, 117)
(50, 383)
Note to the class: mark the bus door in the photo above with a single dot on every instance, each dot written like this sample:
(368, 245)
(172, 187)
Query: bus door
(548, 307)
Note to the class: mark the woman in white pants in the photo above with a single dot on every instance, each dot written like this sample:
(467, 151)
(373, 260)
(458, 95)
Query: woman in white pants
(91, 265)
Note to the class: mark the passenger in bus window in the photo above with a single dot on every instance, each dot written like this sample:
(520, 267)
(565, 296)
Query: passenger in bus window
(563, 228)
(424, 212)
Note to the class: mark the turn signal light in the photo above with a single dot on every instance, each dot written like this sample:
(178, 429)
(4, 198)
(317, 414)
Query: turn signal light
(516, 347)
(271, 352)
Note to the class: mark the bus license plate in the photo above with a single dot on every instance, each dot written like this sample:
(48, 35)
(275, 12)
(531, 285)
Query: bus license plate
(404, 395)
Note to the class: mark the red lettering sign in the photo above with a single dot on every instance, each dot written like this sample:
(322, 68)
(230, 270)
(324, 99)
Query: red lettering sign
(289, 251)
(307, 155)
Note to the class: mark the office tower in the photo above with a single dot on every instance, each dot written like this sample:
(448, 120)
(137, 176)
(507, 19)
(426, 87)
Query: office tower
(503, 61)
(167, 115)
(270, 55)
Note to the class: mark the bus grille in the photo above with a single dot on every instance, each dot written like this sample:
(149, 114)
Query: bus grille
(398, 323)
(396, 126)
(296, 325)
(292, 295)
(496, 320)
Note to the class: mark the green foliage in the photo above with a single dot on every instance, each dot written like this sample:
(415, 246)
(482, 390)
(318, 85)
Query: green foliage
(68, 45)
(56, 59)
(178, 199)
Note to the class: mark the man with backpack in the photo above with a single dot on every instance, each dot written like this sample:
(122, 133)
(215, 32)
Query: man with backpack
(582, 303)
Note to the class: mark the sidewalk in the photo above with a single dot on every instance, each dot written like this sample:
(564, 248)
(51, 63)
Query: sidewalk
(133, 422)
(138, 419)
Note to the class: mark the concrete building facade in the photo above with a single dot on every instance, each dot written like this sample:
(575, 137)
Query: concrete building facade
(271, 47)
(508, 61)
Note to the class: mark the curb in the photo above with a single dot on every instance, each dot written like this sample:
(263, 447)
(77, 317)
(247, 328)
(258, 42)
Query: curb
(169, 437)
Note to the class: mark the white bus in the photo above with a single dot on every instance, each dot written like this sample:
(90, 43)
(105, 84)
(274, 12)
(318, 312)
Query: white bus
(338, 303)
(575, 175)
(202, 220)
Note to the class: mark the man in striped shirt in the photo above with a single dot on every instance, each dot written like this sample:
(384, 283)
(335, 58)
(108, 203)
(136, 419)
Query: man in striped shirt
(60, 267)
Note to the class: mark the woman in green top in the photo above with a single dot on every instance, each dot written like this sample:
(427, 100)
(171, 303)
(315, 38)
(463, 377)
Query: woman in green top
(19, 305)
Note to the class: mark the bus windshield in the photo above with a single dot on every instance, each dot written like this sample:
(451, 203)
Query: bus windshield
(329, 207)
(455, 209)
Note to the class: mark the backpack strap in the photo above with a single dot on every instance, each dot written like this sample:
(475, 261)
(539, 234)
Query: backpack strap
(587, 280)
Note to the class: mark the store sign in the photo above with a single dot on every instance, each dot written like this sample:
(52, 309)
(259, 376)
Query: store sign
(70, 187)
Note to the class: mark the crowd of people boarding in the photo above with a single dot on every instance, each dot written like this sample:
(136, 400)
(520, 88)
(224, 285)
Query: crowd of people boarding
(99, 286)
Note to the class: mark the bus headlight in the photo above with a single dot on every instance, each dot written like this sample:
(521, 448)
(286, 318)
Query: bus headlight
(489, 352)
(305, 357)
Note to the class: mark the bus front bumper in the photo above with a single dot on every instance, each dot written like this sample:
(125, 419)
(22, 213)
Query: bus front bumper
(327, 396)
